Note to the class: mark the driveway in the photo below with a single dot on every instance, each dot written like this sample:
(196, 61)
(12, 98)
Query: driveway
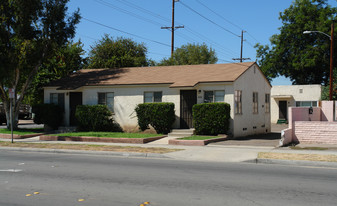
(25, 124)
(271, 139)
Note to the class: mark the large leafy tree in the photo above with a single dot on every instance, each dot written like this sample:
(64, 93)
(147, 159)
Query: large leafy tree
(304, 58)
(67, 59)
(191, 54)
(31, 31)
(116, 53)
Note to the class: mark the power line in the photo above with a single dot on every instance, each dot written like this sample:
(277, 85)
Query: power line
(227, 51)
(219, 15)
(125, 2)
(88, 37)
(226, 20)
(127, 12)
(202, 37)
(92, 38)
(95, 22)
(199, 35)
(209, 20)
(250, 44)
(237, 63)
(257, 41)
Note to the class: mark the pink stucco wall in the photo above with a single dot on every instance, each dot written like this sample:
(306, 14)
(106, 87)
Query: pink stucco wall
(302, 114)
(315, 132)
(318, 127)
(286, 137)
(327, 111)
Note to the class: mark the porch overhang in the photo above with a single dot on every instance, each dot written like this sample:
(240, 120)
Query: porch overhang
(282, 96)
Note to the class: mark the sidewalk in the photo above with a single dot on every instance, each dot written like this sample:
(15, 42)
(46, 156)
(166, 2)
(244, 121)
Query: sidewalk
(209, 153)
(245, 149)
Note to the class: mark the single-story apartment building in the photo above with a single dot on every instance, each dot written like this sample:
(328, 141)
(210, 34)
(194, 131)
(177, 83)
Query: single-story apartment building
(242, 85)
(285, 96)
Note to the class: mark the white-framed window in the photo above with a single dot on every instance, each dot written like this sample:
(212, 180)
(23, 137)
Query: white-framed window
(214, 96)
(255, 103)
(238, 101)
(150, 97)
(57, 99)
(107, 98)
(267, 102)
(306, 103)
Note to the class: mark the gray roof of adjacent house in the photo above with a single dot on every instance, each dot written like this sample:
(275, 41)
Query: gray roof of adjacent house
(175, 76)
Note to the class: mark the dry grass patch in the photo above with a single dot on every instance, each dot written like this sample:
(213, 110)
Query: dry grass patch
(308, 148)
(291, 156)
(90, 147)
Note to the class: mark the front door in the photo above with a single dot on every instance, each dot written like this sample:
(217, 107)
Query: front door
(283, 110)
(75, 99)
(188, 98)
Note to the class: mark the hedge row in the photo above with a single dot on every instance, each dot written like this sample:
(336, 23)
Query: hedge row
(160, 116)
(94, 118)
(211, 118)
(49, 114)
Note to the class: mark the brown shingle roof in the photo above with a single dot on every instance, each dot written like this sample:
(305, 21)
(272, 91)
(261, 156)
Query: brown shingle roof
(176, 76)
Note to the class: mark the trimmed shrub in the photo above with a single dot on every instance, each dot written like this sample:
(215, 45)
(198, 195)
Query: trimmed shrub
(48, 114)
(211, 118)
(160, 116)
(94, 118)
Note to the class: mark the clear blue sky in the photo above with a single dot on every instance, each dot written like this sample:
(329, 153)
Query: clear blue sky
(218, 23)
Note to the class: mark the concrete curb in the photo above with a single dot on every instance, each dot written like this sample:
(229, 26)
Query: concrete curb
(294, 162)
(68, 151)
(100, 139)
(195, 142)
(16, 136)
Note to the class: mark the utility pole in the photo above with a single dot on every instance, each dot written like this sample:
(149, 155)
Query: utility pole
(331, 61)
(172, 27)
(241, 59)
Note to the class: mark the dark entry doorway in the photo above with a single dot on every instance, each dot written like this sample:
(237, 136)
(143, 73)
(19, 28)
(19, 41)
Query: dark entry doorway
(75, 99)
(188, 98)
(283, 110)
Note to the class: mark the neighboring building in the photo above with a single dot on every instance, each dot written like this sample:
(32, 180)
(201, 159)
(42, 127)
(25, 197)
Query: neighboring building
(242, 85)
(283, 97)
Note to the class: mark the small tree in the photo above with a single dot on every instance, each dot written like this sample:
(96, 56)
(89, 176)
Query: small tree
(66, 60)
(117, 53)
(191, 54)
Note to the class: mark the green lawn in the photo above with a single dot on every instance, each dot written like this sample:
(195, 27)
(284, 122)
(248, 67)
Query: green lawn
(195, 137)
(22, 131)
(107, 134)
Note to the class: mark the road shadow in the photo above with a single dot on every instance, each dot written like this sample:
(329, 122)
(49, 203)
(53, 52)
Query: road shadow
(269, 136)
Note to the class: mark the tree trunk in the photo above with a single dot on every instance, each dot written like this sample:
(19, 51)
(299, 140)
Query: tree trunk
(15, 115)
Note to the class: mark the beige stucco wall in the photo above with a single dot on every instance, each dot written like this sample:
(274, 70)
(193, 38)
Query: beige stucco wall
(248, 123)
(309, 93)
(126, 99)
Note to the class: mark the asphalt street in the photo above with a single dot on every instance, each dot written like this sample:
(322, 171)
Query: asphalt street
(37, 178)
